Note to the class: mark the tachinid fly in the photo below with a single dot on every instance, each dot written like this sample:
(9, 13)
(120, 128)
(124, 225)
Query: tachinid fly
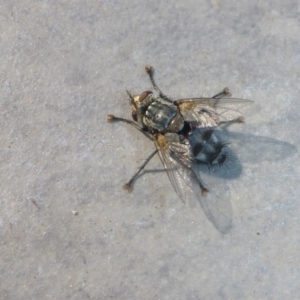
(183, 132)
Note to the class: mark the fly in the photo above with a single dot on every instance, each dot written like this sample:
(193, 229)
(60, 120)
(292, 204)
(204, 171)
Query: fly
(184, 132)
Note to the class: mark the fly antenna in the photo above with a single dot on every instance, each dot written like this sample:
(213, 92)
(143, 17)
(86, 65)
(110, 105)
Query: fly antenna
(131, 98)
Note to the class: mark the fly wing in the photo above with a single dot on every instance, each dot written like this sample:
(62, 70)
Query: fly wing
(185, 175)
(209, 112)
(175, 157)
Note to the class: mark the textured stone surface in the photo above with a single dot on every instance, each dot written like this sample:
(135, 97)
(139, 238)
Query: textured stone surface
(68, 230)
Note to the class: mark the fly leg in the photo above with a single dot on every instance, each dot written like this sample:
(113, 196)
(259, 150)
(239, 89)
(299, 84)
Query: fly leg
(128, 185)
(239, 120)
(225, 92)
(112, 118)
(197, 178)
(150, 72)
(203, 189)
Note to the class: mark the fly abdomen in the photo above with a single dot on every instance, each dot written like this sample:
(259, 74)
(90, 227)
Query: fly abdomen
(206, 147)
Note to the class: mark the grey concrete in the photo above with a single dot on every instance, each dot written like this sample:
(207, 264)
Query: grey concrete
(68, 230)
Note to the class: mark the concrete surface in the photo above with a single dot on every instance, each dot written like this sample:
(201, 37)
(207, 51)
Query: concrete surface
(68, 230)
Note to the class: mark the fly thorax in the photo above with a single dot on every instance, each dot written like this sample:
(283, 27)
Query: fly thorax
(163, 117)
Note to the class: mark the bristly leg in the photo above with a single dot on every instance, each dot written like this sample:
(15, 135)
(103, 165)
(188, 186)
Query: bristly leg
(150, 72)
(224, 93)
(112, 118)
(203, 189)
(128, 185)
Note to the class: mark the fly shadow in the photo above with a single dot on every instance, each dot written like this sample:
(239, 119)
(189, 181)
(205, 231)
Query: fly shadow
(242, 148)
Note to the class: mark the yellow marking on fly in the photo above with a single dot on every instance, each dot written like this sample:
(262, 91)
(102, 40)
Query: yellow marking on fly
(136, 99)
(187, 105)
(161, 141)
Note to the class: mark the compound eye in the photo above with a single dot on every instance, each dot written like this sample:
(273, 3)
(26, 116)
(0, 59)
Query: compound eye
(144, 95)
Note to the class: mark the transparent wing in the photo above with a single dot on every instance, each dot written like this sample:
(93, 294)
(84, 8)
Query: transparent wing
(175, 157)
(185, 175)
(208, 112)
(216, 204)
